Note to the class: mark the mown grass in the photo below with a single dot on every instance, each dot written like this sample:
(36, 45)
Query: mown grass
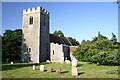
(85, 70)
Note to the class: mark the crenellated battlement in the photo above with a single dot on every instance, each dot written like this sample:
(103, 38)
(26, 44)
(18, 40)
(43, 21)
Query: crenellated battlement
(34, 10)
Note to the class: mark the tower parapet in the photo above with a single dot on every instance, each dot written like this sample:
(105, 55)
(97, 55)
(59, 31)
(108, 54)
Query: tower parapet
(35, 10)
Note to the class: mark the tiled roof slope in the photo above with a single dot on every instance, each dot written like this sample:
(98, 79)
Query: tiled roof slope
(59, 40)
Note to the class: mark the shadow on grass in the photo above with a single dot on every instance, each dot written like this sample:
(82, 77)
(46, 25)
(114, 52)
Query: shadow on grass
(53, 71)
(6, 67)
(64, 72)
(80, 73)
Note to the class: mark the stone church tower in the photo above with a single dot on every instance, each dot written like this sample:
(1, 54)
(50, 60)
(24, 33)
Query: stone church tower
(36, 43)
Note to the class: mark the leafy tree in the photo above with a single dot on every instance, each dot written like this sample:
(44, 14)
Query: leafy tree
(100, 50)
(114, 39)
(100, 58)
(59, 33)
(73, 41)
(11, 44)
(99, 37)
(83, 42)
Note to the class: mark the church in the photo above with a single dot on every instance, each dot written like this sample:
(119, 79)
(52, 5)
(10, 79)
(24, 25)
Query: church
(38, 45)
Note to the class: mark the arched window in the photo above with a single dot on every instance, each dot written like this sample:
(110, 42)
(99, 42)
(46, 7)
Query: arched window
(31, 20)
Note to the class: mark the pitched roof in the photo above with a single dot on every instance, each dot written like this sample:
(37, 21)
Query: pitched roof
(66, 41)
(59, 40)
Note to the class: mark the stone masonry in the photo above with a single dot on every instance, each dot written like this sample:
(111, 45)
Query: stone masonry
(36, 43)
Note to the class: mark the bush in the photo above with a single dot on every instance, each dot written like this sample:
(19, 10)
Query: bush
(100, 50)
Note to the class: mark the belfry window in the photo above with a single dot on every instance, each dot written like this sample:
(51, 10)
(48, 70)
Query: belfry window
(31, 20)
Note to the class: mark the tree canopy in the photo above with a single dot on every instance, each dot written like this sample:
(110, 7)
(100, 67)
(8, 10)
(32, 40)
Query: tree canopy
(11, 44)
(114, 39)
(59, 33)
(101, 50)
(73, 41)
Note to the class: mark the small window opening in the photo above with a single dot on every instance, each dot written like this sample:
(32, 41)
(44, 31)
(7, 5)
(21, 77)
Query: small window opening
(53, 52)
(29, 50)
(31, 20)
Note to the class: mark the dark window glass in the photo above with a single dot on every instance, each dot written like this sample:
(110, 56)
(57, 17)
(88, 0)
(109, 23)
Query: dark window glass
(31, 20)
(53, 52)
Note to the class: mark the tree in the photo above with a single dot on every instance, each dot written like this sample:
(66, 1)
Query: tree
(83, 42)
(99, 37)
(73, 41)
(59, 33)
(114, 39)
(11, 44)
(100, 50)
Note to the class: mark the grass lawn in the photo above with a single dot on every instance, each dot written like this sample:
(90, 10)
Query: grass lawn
(85, 70)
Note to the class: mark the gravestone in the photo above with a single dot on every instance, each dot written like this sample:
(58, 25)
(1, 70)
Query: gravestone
(58, 70)
(48, 61)
(49, 69)
(42, 67)
(74, 63)
(67, 61)
(33, 67)
(62, 60)
(11, 62)
(74, 71)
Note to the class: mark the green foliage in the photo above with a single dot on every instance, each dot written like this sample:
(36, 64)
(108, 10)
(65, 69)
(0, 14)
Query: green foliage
(100, 50)
(11, 44)
(110, 57)
(100, 37)
(85, 42)
(100, 57)
(59, 33)
(73, 41)
(114, 39)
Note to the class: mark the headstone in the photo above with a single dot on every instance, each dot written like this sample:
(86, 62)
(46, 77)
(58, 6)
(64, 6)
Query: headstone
(74, 71)
(62, 60)
(48, 61)
(74, 63)
(67, 61)
(49, 69)
(11, 62)
(33, 67)
(42, 67)
(58, 70)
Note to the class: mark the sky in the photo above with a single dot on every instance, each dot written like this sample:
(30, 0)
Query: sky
(80, 20)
